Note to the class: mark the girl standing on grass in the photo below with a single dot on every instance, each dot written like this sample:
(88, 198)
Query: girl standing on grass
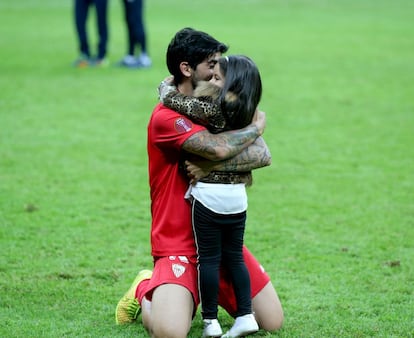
(219, 199)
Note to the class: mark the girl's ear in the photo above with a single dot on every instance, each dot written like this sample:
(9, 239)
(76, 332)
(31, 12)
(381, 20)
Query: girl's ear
(186, 70)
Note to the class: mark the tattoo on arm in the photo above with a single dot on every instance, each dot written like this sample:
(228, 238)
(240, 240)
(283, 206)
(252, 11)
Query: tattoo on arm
(255, 156)
(217, 147)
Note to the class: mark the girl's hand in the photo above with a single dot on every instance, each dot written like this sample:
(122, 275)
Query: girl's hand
(166, 86)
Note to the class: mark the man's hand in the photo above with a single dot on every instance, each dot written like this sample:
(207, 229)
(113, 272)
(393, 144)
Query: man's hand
(259, 120)
(197, 170)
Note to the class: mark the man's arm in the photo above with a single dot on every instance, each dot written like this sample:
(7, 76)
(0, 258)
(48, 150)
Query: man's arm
(222, 146)
(255, 156)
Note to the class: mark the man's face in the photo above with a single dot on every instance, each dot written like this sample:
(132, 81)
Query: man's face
(204, 70)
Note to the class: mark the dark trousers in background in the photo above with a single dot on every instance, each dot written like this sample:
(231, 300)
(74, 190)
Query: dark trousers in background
(81, 15)
(219, 240)
(135, 25)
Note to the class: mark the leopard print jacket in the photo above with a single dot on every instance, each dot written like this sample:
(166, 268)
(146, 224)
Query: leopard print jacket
(203, 108)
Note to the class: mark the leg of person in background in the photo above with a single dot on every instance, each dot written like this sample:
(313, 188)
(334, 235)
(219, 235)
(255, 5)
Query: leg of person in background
(102, 24)
(81, 10)
(129, 59)
(140, 33)
(136, 35)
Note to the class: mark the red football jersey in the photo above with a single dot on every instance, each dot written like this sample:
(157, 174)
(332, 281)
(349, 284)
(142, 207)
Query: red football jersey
(171, 228)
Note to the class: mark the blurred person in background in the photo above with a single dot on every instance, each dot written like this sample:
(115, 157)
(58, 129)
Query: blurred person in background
(81, 11)
(137, 38)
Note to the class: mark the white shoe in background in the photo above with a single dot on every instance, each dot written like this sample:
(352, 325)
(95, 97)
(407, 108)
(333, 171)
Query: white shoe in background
(144, 60)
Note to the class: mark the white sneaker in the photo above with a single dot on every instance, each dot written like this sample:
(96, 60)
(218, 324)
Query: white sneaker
(128, 60)
(212, 328)
(144, 60)
(243, 325)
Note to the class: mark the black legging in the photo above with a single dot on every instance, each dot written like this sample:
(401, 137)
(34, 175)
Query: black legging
(219, 240)
(135, 25)
(81, 15)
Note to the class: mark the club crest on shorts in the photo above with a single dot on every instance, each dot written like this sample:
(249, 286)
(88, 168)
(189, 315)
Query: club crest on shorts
(178, 270)
(182, 125)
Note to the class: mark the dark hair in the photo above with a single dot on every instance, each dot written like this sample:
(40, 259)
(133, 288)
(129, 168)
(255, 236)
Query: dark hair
(242, 90)
(191, 46)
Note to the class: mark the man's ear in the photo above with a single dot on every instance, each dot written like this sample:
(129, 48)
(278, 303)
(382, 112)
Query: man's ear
(186, 70)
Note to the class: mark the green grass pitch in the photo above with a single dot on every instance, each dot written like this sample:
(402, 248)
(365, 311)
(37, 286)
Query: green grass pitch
(331, 220)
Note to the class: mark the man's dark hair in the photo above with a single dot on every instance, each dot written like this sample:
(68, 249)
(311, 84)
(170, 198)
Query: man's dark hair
(192, 46)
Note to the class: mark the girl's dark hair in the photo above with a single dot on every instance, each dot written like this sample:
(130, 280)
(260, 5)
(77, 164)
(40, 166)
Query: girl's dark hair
(192, 46)
(242, 90)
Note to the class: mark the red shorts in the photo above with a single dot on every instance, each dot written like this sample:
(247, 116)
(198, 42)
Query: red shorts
(182, 270)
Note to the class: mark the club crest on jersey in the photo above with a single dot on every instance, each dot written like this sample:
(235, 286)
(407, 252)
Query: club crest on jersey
(178, 270)
(182, 125)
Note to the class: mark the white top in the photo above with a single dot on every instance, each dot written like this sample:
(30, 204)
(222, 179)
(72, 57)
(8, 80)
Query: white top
(220, 198)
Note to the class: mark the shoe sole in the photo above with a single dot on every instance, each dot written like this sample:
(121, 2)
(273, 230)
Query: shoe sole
(242, 334)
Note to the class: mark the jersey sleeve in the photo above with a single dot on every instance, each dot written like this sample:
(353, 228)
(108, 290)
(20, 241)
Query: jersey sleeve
(170, 129)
